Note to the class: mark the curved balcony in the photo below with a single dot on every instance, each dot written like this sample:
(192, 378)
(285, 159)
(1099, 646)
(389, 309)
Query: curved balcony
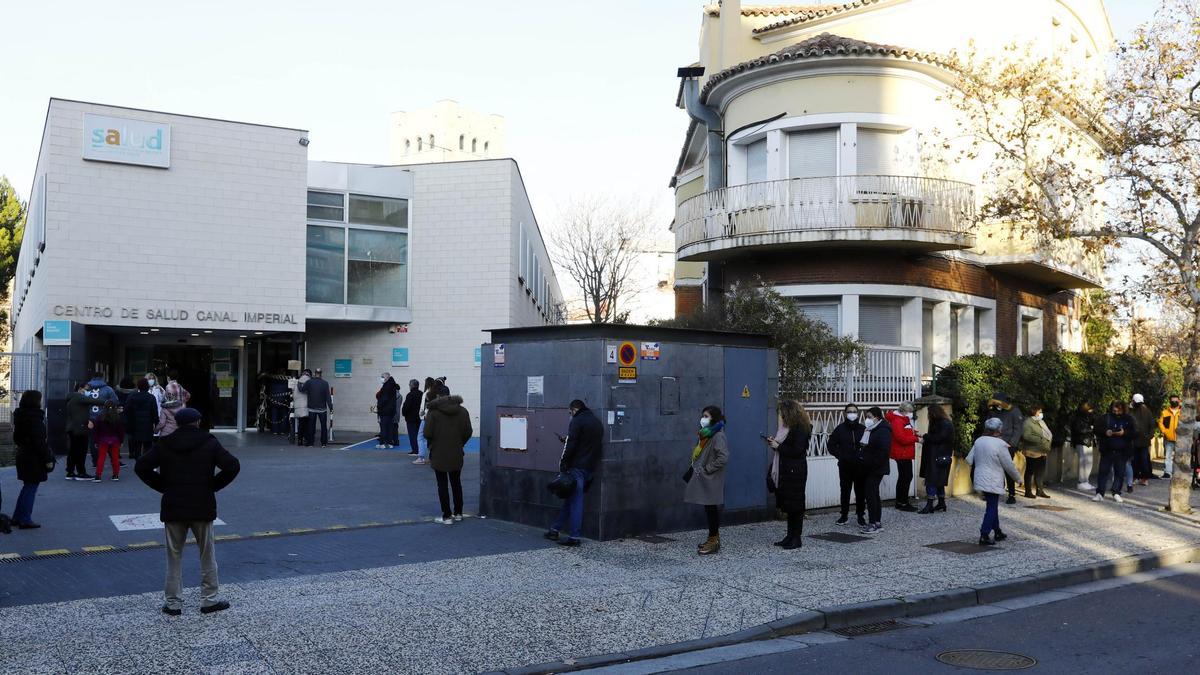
(910, 212)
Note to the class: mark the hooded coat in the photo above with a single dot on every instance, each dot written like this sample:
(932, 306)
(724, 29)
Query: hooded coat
(904, 437)
(100, 394)
(181, 467)
(141, 416)
(33, 453)
(300, 396)
(447, 428)
(385, 398)
(176, 398)
(1144, 419)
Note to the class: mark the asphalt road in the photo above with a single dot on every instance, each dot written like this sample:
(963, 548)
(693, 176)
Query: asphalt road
(1148, 627)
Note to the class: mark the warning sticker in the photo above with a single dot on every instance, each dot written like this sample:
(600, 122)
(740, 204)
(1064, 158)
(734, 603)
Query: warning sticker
(627, 374)
(745, 392)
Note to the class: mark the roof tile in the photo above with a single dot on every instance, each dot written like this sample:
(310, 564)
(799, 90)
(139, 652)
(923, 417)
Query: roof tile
(813, 12)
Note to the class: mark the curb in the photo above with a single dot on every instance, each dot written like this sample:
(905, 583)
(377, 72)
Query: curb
(856, 614)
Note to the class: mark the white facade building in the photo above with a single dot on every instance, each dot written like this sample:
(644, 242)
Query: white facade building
(217, 250)
(444, 132)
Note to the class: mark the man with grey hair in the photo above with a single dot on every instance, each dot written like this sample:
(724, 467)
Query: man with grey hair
(992, 463)
(411, 412)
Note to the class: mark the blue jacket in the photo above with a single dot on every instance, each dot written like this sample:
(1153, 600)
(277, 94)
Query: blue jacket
(101, 394)
(1123, 443)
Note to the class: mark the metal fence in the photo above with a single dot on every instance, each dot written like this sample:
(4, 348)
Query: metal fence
(885, 377)
(19, 372)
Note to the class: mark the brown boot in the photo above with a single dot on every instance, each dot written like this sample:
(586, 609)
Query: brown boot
(711, 546)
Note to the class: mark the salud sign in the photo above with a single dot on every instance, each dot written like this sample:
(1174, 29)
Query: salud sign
(126, 141)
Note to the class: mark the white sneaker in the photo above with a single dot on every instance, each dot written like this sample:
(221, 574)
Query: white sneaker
(458, 518)
(380, 446)
(443, 521)
(1118, 499)
(1098, 498)
(1085, 486)
(420, 460)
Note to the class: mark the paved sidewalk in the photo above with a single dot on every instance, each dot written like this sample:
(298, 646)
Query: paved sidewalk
(490, 612)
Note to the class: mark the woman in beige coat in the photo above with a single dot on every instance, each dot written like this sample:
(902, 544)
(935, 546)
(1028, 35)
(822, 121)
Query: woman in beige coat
(706, 476)
(1035, 445)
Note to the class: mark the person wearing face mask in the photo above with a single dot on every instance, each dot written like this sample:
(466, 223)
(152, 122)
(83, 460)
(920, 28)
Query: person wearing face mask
(706, 476)
(1115, 431)
(873, 450)
(1012, 425)
(385, 408)
(1143, 470)
(843, 444)
(156, 389)
(789, 468)
(993, 464)
(1035, 445)
(582, 449)
(937, 454)
(1168, 424)
(904, 442)
(1083, 438)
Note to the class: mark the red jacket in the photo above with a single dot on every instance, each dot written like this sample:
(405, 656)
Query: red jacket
(904, 437)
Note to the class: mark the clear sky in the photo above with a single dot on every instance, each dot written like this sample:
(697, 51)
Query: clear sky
(587, 87)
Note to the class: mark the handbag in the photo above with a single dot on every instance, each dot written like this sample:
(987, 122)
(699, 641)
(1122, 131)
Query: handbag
(562, 486)
(687, 475)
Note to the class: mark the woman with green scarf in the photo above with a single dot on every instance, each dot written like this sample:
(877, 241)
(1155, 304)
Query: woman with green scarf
(706, 477)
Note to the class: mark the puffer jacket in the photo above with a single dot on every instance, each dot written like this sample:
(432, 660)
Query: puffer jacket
(904, 437)
(992, 460)
(447, 428)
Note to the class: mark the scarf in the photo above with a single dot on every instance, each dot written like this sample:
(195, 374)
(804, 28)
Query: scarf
(866, 437)
(780, 436)
(705, 434)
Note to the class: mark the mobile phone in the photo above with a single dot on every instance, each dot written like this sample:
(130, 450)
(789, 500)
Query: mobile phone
(762, 435)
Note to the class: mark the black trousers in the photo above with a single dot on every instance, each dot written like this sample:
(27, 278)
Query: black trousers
(712, 513)
(1035, 469)
(138, 448)
(904, 478)
(76, 453)
(414, 428)
(1008, 480)
(795, 523)
(323, 418)
(454, 478)
(867, 485)
(847, 474)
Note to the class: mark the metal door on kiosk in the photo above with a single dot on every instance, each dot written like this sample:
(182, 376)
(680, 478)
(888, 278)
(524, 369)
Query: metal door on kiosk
(745, 411)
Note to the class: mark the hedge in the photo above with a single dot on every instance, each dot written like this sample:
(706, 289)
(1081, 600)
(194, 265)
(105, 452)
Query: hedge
(1059, 381)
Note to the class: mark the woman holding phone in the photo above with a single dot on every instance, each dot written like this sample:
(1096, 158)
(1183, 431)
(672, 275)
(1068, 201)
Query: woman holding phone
(789, 468)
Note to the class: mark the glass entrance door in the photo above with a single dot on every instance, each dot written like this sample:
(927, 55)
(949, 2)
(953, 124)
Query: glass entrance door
(210, 374)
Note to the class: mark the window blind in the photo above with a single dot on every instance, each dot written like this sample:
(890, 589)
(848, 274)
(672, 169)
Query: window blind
(813, 153)
(828, 313)
(878, 152)
(756, 162)
(879, 322)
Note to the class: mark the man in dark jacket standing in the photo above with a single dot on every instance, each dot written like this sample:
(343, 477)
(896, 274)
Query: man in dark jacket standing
(320, 404)
(1144, 418)
(581, 455)
(141, 416)
(411, 412)
(1012, 425)
(181, 467)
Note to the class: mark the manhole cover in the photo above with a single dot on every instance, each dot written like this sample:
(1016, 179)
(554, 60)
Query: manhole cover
(654, 539)
(986, 659)
(962, 547)
(1048, 507)
(840, 537)
(870, 628)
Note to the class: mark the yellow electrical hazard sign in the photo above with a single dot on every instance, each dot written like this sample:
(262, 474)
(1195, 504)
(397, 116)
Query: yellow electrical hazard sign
(745, 392)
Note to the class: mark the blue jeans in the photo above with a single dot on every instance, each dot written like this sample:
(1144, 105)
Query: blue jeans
(1116, 463)
(24, 511)
(422, 442)
(572, 508)
(991, 515)
(387, 427)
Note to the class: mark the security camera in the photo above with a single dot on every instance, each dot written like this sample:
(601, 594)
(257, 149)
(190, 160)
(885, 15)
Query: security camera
(304, 141)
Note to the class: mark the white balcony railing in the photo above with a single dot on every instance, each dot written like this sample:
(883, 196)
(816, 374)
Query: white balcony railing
(931, 206)
(886, 377)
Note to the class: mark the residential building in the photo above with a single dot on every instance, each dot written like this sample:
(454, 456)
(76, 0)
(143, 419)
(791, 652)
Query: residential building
(214, 249)
(445, 132)
(808, 163)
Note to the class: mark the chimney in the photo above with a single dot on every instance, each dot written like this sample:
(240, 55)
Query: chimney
(731, 31)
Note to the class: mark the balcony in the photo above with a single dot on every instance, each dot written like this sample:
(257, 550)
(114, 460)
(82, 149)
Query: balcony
(909, 212)
(886, 377)
(1060, 264)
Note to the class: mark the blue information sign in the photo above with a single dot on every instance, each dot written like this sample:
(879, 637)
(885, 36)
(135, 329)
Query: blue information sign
(342, 367)
(399, 357)
(56, 332)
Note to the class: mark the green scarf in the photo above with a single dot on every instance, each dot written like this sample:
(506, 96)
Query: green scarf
(705, 434)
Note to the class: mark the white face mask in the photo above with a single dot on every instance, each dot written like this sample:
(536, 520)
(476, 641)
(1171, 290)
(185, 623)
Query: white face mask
(852, 416)
(1038, 417)
(870, 422)
(705, 421)
(382, 380)
(151, 381)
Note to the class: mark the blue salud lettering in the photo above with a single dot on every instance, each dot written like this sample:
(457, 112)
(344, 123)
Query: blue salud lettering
(122, 137)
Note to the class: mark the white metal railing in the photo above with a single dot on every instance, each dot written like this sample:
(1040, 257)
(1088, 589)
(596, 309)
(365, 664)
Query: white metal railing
(887, 376)
(828, 203)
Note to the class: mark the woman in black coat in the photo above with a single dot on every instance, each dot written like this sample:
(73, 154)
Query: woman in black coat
(141, 415)
(789, 468)
(843, 444)
(34, 459)
(937, 453)
(873, 454)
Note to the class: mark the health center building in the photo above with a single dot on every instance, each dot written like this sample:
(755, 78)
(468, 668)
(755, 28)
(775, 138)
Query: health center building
(217, 251)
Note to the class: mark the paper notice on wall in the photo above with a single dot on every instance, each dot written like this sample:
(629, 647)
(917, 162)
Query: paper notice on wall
(514, 433)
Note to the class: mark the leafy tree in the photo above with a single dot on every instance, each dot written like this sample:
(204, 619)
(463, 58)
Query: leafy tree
(1101, 162)
(12, 230)
(807, 347)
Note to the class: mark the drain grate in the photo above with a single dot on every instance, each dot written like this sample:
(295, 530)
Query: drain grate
(986, 659)
(1049, 507)
(654, 539)
(870, 628)
(840, 537)
(961, 547)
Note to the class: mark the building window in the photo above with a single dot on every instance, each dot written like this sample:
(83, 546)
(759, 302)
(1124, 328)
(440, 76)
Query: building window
(828, 313)
(879, 152)
(325, 274)
(756, 161)
(326, 206)
(364, 262)
(380, 211)
(955, 312)
(431, 143)
(879, 322)
(377, 269)
(420, 145)
(927, 338)
(485, 148)
(813, 153)
(461, 141)
(407, 146)
(473, 144)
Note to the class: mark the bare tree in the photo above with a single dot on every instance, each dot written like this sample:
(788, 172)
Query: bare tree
(1104, 161)
(598, 242)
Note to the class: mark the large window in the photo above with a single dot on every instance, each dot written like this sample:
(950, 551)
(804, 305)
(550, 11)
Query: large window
(828, 313)
(879, 322)
(362, 260)
(756, 161)
(879, 152)
(812, 154)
